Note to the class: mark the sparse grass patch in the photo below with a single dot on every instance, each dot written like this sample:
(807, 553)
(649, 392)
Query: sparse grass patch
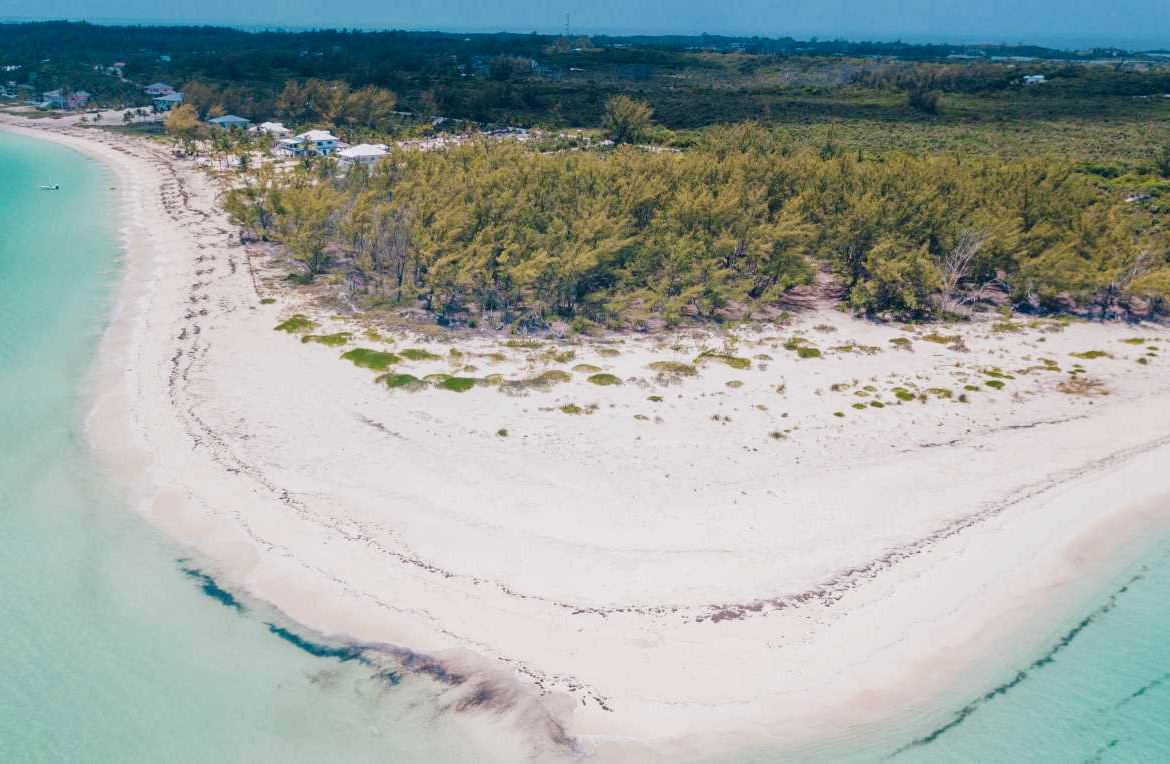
(375, 360)
(1089, 355)
(1086, 386)
(571, 408)
(806, 351)
(525, 344)
(332, 340)
(436, 378)
(418, 354)
(295, 324)
(655, 399)
(940, 392)
(587, 368)
(267, 300)
(673, 368)
(877, 404)
(1007, 327)
(859, 406)
(560, 356)
(903, 394)
(604, 380)
(1135, 341)
(853, 347)
(735, 384)
(902, 343)
(941, 339)
(995, 384)
(608, 352)
(730, 360)
(971, 388)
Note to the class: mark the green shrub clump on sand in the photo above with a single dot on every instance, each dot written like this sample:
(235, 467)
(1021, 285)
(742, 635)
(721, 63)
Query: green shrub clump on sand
(375, 360)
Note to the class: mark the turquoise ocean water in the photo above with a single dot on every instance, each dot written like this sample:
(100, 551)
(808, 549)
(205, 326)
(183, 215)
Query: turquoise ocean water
(114, 646)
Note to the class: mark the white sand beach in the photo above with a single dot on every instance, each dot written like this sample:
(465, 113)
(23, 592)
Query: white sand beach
(680, 565)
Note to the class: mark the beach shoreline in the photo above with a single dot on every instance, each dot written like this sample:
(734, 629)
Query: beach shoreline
(512, 565)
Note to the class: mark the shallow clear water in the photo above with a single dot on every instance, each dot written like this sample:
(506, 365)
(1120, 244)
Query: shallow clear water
(109, 650)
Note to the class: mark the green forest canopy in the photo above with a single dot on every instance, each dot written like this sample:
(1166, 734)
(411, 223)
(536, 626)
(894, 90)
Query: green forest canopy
(626, 236)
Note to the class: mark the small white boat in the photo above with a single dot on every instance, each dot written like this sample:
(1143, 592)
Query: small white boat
(51, 188)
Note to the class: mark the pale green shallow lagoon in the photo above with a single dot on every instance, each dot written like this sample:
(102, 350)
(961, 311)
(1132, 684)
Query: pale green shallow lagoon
(111, 652)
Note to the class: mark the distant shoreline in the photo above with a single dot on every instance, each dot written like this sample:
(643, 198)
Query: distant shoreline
(1057, 43)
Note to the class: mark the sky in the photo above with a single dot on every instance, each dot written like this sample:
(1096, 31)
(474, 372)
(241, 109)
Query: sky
(1058, 23)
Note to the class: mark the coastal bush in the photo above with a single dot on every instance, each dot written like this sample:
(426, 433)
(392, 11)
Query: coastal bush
(402, 381)
(995, 384)
(457, 384)
(903, 394)
(805, 351)
(376, 360)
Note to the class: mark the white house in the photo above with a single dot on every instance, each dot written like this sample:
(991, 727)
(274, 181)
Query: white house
(1034, 79)
(274, 129)
(168, 101)
(322, 142)
(364, 153)
(156, 89)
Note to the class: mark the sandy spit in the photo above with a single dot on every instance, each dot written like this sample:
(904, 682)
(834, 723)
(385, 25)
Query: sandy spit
(682, 565)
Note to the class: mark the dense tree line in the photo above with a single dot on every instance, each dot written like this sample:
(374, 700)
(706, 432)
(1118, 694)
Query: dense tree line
(627, 236)
(541, 79)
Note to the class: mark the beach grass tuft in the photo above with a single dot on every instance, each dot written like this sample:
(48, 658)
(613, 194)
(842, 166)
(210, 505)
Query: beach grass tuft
(605, 380)
(295, 324)
(332, 340)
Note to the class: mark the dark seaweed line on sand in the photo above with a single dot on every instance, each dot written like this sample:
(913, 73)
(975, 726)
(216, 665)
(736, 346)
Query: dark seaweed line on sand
(1045, 660)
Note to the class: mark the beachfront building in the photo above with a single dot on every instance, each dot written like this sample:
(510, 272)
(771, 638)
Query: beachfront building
(275, 129)
(60, 99)
(230, 122)
(320, 142)
(364, 154)
(156, 89)
(167, 102)
(1034, 79)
